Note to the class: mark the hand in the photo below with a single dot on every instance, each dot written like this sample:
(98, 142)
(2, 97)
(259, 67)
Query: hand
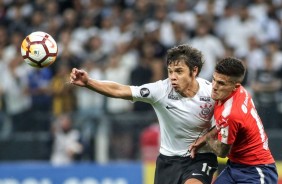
(193, 148)
(79, 77)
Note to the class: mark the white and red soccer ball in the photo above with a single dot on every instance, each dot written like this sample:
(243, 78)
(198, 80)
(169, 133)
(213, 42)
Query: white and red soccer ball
(39, 49)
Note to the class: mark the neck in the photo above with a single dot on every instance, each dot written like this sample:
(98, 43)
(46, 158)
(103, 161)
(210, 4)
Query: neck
(192, 89)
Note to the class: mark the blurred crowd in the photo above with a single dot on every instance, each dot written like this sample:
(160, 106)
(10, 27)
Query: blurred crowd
(126, 41)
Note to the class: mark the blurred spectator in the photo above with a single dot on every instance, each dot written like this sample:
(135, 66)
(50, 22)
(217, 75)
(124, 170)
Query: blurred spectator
(13, 48)
(69, 52)
(242, 27)
(144, 10)
(128, 27)
(66, 146)
(258, 9)
(118, 73)
(70, 18)
(63, 96)
(152, 35)
(16, 15)
(181, 36)
(266, 87)
(279, 95)
(109, 32)
(183, 15)
(37, 22)
(254, 58)
(273, 48)
(89, 105)
(210, 45)
(271, 25)
(83, 31)
(166, 32)
(17, 100)
(143, 73)
(39, 81)
(128, 57)
(212, 8)
(94, 50)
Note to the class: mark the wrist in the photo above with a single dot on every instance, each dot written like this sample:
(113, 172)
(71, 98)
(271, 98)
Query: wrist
(87, 82)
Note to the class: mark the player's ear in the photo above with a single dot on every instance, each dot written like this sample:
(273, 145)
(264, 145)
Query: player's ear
(237, 85)
(195, 71)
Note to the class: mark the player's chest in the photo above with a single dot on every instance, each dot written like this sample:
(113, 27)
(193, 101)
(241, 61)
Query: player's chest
(189, 107)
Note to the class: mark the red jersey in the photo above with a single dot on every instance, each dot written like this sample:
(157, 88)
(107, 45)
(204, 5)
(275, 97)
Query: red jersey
(239, 124)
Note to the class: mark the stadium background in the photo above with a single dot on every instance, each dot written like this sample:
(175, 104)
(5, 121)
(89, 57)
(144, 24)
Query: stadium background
(124, 41)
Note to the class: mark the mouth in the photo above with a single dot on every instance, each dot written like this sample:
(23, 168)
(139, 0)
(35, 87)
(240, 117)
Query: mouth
(174, 85)
(214, 93)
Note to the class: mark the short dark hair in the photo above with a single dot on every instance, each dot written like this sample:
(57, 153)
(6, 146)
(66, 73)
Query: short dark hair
(231, 67)
(191, 56)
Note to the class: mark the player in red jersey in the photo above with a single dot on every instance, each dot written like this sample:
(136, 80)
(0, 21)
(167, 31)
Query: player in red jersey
(239, 132)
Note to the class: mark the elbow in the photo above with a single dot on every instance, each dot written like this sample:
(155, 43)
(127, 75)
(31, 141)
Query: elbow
(222, 153)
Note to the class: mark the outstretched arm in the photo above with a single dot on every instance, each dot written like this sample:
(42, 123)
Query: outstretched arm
(106, 88)
(210, 138)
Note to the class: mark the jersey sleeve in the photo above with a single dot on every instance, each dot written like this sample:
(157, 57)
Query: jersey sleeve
(228, 130)
(149, 93)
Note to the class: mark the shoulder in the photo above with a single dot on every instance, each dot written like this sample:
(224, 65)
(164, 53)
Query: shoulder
(239, 103)
(204, 82)
(153, 90)
(205, 86)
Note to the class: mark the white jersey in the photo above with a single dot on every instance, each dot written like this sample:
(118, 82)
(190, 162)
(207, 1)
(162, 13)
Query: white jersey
(181, 119)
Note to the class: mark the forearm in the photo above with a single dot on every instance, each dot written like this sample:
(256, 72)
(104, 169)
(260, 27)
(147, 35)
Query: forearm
(219, 148)
(109, 89)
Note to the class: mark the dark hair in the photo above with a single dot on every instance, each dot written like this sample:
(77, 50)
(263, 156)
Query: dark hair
(191, 56)
(231, 67)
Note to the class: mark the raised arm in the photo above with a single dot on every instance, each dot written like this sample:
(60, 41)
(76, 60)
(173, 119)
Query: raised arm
(106, 88)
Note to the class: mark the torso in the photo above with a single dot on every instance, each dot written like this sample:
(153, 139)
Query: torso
(181, 119)
(241, 126)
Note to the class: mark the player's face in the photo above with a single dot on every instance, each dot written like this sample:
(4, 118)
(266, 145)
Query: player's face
(222, 87)
(180, 77)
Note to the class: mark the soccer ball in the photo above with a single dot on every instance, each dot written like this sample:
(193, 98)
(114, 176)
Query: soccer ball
(39, 49)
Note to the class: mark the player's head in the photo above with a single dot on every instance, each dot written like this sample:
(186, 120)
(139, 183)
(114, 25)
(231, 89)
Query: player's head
(192, 57)
(228, 76)
(184, 64)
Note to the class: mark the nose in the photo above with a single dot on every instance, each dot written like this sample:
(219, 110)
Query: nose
(172, 76)
(214, 85)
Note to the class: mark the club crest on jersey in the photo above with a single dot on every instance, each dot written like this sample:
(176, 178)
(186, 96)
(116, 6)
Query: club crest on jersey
(206, 111)
(144, 92)
(172, 96)
(205, 98)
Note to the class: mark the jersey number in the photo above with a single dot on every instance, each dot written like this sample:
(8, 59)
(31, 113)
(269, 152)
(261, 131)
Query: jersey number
(206, 169)
(260, 127)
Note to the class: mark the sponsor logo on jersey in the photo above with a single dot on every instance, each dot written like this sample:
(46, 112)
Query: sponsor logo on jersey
(196, 174)
(170, 107)
(172, 96)
(144, 92)
(205, 98)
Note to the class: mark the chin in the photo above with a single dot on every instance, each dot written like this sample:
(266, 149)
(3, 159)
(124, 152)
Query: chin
(214, 98)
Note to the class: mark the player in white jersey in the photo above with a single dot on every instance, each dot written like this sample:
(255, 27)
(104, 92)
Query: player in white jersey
(184, 109)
